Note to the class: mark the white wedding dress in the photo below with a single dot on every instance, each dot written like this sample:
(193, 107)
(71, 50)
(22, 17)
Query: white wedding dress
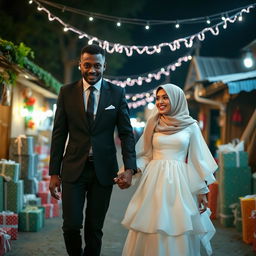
(163, 217)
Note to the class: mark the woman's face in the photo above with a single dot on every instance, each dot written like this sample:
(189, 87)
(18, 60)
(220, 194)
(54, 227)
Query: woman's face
(162, 102)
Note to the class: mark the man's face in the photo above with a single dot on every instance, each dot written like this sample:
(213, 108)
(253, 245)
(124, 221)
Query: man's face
(92, 67)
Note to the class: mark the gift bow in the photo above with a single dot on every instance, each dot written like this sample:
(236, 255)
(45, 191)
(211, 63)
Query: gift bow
(18, 140)
(4, 162)
(232, 147)
(7, 246)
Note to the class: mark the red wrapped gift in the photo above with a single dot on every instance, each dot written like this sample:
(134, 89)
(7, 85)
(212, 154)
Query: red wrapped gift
(45, 172)
(55, 201)
(4, 242)
(9, 219)
(51, 210)
(212, 199)
(45, 197)
(13, 232)
(43, 186)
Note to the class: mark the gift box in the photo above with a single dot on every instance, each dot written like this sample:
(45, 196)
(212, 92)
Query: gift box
(254, 230)
(248, 206)
(233, 183)
(27, 165)
(43, 186)
(1, 194)
(22, 145)
(32, 200)
(13, 232)
(55, 201)
(13, 195)
(51, 210)
(45, 197)
(233, 159)
(9, 219)
(45, 172)
(4, 242)
(31, 186)
(212, 199)
(10, 170)
(31, 219)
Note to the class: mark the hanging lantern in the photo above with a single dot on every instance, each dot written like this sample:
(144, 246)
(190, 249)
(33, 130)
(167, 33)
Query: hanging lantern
(236, 116)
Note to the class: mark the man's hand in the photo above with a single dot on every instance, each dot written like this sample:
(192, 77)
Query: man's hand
(202, 202)
(54, 186)
(124, 179)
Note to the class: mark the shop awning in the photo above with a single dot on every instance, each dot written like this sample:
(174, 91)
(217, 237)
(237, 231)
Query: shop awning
(236, 87)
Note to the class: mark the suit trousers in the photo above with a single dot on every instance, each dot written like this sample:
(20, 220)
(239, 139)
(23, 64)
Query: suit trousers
(97, 197)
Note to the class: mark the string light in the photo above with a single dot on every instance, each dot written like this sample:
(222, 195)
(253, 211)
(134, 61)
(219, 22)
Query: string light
(173, 46)
(30, 2)
(119, 23)
(208, 21)
(124, 81)
(91, 18)
(177, 25)
(240, 18)
(147, 27)
(137, 21)
(65, 29)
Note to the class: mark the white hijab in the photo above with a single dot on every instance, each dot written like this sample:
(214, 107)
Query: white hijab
(170, 123)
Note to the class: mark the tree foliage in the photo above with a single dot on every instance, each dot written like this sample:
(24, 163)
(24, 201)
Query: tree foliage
(57, 51)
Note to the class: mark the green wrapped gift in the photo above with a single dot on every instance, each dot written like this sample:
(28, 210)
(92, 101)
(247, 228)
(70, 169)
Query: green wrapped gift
(27, 168)
(1, 193)
(31, 186)
(31, 219)
(9, 170)
(22, 145)
(233, 183)
(13, 193)
(233, 159)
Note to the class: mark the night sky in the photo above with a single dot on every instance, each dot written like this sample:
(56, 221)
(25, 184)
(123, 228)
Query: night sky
(227, 44)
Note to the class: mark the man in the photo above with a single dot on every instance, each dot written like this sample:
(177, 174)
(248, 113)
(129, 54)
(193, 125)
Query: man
(87, 113)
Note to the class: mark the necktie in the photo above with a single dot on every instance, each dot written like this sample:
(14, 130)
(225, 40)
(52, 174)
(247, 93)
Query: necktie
(90, 106)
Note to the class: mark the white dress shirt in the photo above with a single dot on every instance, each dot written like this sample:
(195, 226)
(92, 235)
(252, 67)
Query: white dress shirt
(96, 94)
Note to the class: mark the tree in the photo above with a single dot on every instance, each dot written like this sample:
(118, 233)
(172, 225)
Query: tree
(57, 51)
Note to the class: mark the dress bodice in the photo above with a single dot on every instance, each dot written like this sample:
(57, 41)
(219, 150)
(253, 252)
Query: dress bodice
(171, 147)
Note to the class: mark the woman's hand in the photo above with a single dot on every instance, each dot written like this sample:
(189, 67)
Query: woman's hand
(202, 202)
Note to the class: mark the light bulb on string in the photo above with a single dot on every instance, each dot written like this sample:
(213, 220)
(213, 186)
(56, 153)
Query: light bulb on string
(208, 21)
(177, 25)
(240, 18)
(147, 27)
(39, 8)
(119, 23)
(30, 2)
(50, 18)
(223, 17)
(91, 18)
(66, 29)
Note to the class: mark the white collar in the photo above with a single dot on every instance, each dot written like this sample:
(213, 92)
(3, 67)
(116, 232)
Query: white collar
(97, 85)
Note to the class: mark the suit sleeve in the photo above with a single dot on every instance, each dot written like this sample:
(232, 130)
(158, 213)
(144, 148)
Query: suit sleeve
(125, 133)
(59, 137)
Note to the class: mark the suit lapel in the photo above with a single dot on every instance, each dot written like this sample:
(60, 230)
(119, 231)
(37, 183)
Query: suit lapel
(79, 98)
(103, 101)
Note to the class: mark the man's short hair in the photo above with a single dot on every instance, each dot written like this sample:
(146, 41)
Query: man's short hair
(93, 49)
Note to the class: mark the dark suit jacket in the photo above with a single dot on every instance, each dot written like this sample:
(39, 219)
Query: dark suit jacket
(71, 119)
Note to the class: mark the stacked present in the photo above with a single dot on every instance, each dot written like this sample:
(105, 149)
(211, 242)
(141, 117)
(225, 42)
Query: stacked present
(9, 223)
(22, 152)
(234, 178)
(11, 187)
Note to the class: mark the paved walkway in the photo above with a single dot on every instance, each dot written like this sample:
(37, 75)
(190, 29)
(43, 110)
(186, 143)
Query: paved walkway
(49, 241)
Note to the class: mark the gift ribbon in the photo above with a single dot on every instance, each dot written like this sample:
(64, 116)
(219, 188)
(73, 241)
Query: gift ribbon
(18, 140)
(226, 215)
(227, 148)
(35, 184)
(7, 246)
(51, 210)
(5, 162)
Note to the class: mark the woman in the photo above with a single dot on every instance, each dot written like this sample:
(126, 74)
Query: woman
(167, 214)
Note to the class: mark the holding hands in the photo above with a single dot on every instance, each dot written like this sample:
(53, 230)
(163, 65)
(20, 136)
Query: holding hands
(124, 179)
